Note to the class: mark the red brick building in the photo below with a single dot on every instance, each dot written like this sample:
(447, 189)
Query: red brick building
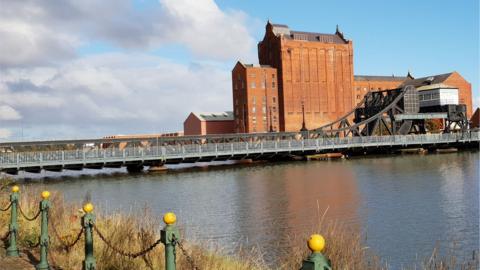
(255, 98)
(202, 123)
(315, 71)
(314, 82)
(362, 84)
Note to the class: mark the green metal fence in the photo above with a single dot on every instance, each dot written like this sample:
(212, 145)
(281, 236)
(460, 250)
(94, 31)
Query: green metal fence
(169, 237)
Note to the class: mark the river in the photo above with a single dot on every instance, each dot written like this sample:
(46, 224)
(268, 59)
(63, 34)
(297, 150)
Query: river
(405, 205)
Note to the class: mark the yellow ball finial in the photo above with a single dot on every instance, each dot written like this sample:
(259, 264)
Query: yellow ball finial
(169, 218)
(45, 194)
(316, 243)
(88, 208)
(15, 188)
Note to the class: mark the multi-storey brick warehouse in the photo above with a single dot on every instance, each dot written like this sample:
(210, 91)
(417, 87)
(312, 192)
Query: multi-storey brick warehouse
(255, 98)
(315, 71)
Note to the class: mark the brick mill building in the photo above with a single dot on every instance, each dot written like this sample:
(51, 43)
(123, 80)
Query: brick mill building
(307, 79)
(315, 75)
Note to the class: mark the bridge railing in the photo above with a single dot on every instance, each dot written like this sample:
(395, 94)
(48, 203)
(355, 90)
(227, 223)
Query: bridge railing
(84, 155)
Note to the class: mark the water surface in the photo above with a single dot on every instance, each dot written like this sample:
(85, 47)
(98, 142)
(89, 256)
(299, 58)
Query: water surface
(405, 205)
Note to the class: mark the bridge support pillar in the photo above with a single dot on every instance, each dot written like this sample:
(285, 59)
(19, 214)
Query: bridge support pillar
(135, 168)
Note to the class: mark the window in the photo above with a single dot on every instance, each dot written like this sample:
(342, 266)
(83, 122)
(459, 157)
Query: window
(252, 85)
(358, 89)
(264, 99)
(252, 75)
(254, 100)
(273, 84)
(254, 109)
(364, 89)
(263, 84)
(358, 96)
(243, 84)
(273, 76)
(273, 99)
(264, 109)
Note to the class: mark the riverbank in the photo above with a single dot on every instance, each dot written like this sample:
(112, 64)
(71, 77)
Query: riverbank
(130, 233)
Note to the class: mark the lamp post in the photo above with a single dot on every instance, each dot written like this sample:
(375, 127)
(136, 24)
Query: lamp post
(304, 128)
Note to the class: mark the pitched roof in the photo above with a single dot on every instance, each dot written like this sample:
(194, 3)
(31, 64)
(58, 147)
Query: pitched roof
(379, 78)
(282, 29)
(214, 116)
(435, 79)
(435, 86)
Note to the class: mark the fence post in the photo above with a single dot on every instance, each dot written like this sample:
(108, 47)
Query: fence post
(316, 260)
(12, 249)
(87, 223)
(169, 237)
(44, 207)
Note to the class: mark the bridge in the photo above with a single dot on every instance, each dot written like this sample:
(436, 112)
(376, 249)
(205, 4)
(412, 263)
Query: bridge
(384, 121)
(137, 153)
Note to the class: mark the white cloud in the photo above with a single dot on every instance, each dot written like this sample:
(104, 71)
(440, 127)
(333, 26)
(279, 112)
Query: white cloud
(58, 93)
(8, 113)
(5, 133)
(43, 33)
(155, 95)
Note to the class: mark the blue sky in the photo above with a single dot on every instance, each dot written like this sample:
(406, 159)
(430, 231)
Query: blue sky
(426, 37)
(94, 68)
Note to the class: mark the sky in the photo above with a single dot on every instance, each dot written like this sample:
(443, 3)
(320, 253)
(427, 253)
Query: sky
(84, 69)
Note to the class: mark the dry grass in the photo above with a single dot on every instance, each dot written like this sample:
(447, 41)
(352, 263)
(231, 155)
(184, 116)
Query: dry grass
(126, 232)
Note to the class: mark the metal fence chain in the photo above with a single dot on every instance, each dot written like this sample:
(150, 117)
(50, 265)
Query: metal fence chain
(30, 244)
(124, 253)
(6, 209)
(5, 237)
(26, 217)
(66, 246)
(185, 253)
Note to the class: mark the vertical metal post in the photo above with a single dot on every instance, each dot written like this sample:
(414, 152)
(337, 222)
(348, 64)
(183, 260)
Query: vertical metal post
(87, 223)
(316, 261)
(44, 207)
(169, 237)
(12, 250)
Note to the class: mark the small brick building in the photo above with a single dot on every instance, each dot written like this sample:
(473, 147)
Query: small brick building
(203, 123)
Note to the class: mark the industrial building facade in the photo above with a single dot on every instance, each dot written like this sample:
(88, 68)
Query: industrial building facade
(306, 80)
(315, 75)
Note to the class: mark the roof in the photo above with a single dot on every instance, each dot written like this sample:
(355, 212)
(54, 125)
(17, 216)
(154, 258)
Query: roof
(214, 116)
(435, 86)
(379, 78)
(435, 79)
(254, 65)
(284, 30)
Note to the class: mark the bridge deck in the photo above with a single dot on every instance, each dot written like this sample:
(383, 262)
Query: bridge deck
(85, 156)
